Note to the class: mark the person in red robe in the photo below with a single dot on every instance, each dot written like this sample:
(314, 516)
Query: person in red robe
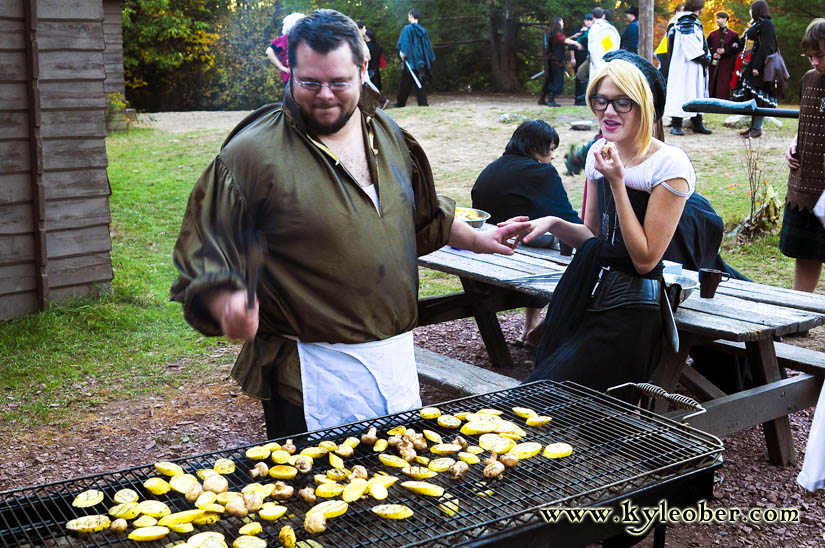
(724, 46)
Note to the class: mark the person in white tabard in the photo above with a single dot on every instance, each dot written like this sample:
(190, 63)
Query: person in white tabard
(601, 38)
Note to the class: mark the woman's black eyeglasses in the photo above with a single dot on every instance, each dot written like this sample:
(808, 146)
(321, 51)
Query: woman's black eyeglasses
(621, 105)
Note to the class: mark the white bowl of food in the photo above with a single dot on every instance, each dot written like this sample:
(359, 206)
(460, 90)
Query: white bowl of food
(473, 217)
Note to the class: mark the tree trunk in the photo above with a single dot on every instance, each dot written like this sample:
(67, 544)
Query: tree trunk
(646, 21)
(502, 46)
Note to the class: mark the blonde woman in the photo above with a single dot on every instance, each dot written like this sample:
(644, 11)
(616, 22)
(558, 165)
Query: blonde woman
(605, 322)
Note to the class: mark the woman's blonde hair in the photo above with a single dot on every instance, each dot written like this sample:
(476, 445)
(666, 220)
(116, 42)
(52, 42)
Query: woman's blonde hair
(633, 83)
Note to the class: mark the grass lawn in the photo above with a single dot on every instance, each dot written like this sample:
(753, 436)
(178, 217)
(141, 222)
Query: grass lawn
(67, 360)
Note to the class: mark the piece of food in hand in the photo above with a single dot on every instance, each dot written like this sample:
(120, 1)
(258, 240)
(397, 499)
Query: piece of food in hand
(608, 150)
(315, 523)
(392, 511)
(88, 498)
(89, 524)
(558, 450)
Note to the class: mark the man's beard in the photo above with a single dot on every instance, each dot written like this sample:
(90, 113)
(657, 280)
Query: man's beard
(331, 127)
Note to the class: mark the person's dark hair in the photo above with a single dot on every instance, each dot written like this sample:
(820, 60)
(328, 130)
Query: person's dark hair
(598, 12)
(694, 5)
(814, 39)
(532, 137)
(359, 24)
(723, 14)
(325, 30)
(371, 35)
(555, 25)
(415, 14)
(759, 10)
(678, 8)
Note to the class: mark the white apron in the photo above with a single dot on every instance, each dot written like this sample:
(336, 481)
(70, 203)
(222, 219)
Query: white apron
(345, 383)
(812, 476)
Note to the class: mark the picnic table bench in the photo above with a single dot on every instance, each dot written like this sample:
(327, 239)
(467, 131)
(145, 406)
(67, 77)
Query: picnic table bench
(744, 317)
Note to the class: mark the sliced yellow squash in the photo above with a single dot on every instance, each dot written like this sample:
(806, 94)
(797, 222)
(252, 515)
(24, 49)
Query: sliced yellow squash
(445, 448)
(128, 510)
(525, 450)
(423, 488)
(330, 508)
(392, 460)
(434, 437)
(448, 504)
(154, 508)
(478, 427)
(336, 462)
(126, 495)
(329, 490)
(430, 413)
(157, 486)
(449, 421)
(283, 472)
(224, 466)
(169, 468)
(183, 483)
(253, 528)
(441, 464)
(524, 412)
(249, 542)
(469, 458)
(354, 490)
(182, 528)
(558, 450)
(145, 521)
(144, 534)
(393, 511)
(258, 453)
(88, 498)
(314, 452)
(419, 472)
(89, 524)
(271, 511)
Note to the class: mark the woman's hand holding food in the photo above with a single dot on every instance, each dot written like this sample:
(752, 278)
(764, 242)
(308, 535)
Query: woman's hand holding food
(609, 164)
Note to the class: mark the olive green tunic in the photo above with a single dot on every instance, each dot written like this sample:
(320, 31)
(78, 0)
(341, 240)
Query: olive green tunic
(336, 270)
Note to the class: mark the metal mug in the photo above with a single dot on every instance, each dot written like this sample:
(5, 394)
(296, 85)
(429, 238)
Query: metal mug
(565, 249)
(709, 280)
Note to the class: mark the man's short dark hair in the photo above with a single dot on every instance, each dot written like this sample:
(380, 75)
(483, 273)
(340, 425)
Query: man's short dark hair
(325, 30)
(723, 14)
(359, 24)
(598, 12)
(694, 5)
(532, 137)
(415, 14)
(814, 39)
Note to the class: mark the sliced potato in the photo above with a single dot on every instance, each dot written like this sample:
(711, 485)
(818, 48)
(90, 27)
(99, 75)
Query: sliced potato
(126, 495)
(253, 528)
(524, 412)
(271, 511)
(354, 490)
(393, 511)
(330, 508)
(143, 534)
(525, 450)
(449, 421)
(157, 486)
(392, 461)
(224, 466)
(441, 464)
(558, 450)
(88, 498)
(249, 542)
(169, 468)
(89, 524)
(423, 488)
(257, 453)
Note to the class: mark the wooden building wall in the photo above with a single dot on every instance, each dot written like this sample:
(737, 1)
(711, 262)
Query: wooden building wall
(54, 206)
(113, 54)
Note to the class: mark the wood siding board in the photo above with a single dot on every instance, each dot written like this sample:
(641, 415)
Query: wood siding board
(68, 294)
(17, 278)
(70, 9)
(17, 304)
(16, 219)
(12, 9)
(67, 214)
(70, 36)
(76, 94)
(82, 241)
(15, 188)
(85, 269)
(75, 183)
(16, 249)
(73, 123)
(11, 35)
(14, 125)
(14, 157)
(13, 96)
(71, 65)
(74, 153)
(13, 66)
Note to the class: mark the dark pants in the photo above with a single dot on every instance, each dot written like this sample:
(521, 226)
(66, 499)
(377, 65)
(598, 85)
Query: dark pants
(407, 84)
(282, 417)
(554, 85)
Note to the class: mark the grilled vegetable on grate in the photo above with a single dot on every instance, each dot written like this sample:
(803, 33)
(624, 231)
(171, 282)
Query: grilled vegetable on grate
(88, 498)
(249, 542)
(392, 511)
(89, 524)
(315, 523)
(557, 450)
(271, 511)
(253, 528)
(169, 468)
(149, 533)
(423, 488)
(287, 536)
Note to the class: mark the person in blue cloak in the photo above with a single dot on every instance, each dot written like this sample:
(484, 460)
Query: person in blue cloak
(416, 53)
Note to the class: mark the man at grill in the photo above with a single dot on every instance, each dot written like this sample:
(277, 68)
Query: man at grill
(338, 202)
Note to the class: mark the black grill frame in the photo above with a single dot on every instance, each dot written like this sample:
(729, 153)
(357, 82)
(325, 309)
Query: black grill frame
(620, 451)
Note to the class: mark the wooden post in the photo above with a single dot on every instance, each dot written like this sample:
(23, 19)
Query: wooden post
(41, 254)
(646, 24)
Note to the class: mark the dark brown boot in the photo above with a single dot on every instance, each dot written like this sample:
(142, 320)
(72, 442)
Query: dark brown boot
(698, 126)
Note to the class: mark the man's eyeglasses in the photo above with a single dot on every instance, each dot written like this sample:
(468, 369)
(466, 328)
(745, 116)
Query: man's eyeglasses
(622, 105)
(315, 87)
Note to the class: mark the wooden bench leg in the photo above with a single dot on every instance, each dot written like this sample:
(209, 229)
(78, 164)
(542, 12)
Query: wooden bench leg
(670, 369)
(765, 369)
(488, 325)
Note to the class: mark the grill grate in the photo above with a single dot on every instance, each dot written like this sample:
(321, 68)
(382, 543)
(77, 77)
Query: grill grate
(619, 450)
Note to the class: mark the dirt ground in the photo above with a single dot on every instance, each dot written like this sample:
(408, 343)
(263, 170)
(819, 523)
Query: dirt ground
(215, 415)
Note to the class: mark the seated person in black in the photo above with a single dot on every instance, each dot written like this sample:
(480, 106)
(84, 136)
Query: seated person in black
(524, 182)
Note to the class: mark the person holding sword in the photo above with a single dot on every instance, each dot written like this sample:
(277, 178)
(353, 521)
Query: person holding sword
(416, 53)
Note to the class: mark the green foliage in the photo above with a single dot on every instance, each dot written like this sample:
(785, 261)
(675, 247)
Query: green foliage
(116, 103)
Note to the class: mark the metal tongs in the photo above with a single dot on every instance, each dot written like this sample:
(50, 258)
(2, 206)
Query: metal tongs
(658, 393)
(255, 247)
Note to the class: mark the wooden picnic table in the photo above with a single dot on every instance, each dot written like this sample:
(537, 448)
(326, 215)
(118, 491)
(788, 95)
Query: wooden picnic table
(745, 312)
